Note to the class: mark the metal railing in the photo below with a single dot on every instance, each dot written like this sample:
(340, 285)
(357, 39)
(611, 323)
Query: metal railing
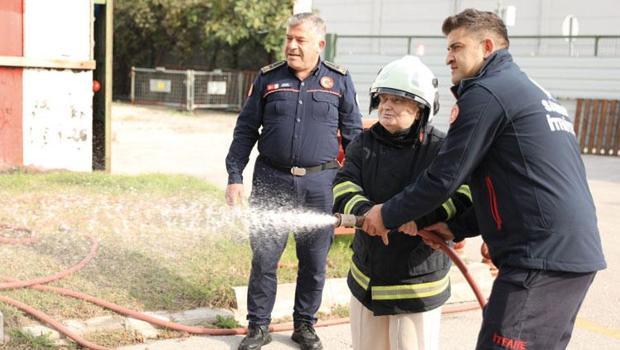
(190, 89)
(532, 45)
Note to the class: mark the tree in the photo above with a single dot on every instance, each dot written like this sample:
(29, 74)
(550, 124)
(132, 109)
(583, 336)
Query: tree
(146, 32)
(199, 34)
(239, 21)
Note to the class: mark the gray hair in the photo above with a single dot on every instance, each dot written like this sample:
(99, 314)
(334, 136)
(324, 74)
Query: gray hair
(317, 23)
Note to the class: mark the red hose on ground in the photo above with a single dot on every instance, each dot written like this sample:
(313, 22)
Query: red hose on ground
(26, 240)
(55, 324)
(274, 328)
(56, 276)
(36, 313)
(36, 284)
(205, 330)
(457, 261)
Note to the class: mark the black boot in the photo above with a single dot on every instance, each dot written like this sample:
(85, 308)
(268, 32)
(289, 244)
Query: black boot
(257, 337)
(306, 337)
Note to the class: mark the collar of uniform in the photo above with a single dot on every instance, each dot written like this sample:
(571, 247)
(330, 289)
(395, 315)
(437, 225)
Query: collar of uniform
(403, 139)
(314, 71)
(498, 57)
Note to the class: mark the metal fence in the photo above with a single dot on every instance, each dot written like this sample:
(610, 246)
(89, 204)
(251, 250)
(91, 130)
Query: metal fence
(597, 125)
(430, 45)
(190, 89)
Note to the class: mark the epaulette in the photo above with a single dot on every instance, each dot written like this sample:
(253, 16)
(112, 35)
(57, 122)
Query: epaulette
(269, 68)
(338, 68)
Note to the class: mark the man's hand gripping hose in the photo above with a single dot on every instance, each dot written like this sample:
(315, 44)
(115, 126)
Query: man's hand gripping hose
(349, 220)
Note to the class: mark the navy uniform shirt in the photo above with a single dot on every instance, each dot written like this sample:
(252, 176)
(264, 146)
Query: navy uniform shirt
(299, 119)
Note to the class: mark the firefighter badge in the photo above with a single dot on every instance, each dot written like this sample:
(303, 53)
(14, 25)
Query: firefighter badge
(327, 82)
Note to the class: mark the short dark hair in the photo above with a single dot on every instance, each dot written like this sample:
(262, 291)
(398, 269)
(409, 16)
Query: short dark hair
(476, 21)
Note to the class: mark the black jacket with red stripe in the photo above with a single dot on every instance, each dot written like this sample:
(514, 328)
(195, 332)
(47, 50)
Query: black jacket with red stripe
(517, 146)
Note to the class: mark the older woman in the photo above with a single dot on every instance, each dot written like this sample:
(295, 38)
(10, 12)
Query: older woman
(398, 283)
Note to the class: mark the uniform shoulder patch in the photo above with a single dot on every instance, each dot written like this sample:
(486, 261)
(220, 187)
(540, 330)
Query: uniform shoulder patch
(336, 67)
(269, 68)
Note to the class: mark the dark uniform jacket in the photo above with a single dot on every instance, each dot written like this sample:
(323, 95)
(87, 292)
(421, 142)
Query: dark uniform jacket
(299, 119)
(405, 276)
(528, 181)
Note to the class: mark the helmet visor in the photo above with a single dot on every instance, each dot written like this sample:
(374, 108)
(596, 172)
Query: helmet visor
(375, 92)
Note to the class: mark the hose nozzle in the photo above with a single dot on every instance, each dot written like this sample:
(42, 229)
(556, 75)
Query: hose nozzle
(348, 220)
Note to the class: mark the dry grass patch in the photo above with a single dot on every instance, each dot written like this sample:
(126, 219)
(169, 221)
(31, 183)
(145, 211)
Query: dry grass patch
(165, 243)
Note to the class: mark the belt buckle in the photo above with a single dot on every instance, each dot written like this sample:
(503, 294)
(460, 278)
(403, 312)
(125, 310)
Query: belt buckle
(296, 171)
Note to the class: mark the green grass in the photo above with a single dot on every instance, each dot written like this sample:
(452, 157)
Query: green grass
(338, 259)
(337, 311)
(26, 180)
(26, 341)
(165, 243)
(227, 322)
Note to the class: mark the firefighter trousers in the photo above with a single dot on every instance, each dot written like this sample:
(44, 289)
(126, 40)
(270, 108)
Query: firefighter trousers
(275, 190)
(532, 309)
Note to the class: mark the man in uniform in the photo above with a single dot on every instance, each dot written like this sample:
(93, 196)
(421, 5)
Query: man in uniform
(531, 198)
(300, 103)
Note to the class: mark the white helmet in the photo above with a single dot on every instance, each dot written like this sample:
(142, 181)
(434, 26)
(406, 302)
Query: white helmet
(407, 77)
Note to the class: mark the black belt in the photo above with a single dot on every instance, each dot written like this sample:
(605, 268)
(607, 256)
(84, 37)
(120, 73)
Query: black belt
(299, 171)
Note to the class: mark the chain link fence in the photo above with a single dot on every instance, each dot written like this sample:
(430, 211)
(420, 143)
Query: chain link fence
(190, 89)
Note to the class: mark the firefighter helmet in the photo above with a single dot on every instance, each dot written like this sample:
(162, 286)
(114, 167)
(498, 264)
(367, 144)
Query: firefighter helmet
(407, 77)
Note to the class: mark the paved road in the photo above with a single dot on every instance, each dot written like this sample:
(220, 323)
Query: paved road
(160, 140)
(151, 140)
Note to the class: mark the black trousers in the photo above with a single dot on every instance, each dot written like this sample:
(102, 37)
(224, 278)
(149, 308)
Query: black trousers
(274, 189)
(532, 309)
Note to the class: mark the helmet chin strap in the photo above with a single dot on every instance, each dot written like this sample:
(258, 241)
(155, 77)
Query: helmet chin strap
(422, 123)
(374, 102)
(436, 103)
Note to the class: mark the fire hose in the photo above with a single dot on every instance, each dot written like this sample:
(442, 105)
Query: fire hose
(341, 220)
(349, 220)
